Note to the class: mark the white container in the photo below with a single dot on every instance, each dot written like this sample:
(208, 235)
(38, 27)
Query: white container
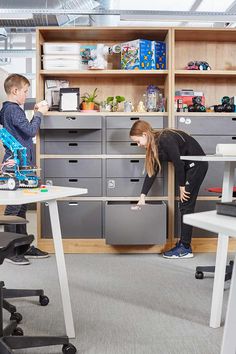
(61, 48)
(61, 62)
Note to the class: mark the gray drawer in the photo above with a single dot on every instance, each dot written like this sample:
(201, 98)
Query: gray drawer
(124, 148)
(78, 219)
(131, 187)
(71, 135)
(208, 143)
(201, 205)
(203, 125)
(118, 135)
(124, 226)
(72, 147)
(72, 168)
(94, 185)
(127, 168)
(128, 121)
(71, 121)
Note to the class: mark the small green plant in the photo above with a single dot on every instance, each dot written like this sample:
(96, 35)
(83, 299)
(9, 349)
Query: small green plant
(113, 102)
(90, 97)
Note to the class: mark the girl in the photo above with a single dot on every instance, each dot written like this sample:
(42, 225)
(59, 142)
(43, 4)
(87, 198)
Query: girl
(169, 145)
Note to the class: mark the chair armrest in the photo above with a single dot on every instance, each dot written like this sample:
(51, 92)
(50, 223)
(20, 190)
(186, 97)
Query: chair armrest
(12, 219)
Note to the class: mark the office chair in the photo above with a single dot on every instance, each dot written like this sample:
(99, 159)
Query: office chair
(16, 293)
(199, 273)
(12, 336)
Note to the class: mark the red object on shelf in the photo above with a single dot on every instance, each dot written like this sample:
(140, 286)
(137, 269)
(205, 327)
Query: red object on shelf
(188, 100)
(218, 190)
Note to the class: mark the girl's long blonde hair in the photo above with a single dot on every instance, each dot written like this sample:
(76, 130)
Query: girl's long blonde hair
(152, 154)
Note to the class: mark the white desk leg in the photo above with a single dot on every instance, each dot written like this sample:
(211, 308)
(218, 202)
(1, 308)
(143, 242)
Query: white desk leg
(229, 338)
(61, 267)
(221, 253)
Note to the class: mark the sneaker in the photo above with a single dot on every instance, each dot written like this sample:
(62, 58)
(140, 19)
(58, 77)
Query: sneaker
(18, 260)
(179, 251)
(34, 252)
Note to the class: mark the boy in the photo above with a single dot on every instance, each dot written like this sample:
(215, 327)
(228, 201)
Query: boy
(13, 118)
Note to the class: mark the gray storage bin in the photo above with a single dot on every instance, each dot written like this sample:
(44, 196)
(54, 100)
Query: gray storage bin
(72, 167)
(124, 226)
(71, 135)
(94, 185)
(128, 121)
(72, 148)
(71, 121)
(204, 125)
(131, 187)
(201, 205)
(78, 219)
(208, 142)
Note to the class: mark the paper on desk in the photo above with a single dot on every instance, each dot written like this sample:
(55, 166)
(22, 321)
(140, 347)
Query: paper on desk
(226, 149)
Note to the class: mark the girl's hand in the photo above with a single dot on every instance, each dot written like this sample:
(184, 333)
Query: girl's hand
(184, 195)
(141, 201)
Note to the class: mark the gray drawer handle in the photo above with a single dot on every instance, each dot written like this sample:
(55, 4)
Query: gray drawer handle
(134, 161)
(73, 144)
(73, 179)
(73, 131)
(134, 180)
(73, 203)
(133, 144)
(134, 118)
(73, 161)
(71, 118)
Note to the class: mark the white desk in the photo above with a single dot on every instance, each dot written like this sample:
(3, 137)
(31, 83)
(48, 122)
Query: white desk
(211, 221)
(223, 238)
(25, 196)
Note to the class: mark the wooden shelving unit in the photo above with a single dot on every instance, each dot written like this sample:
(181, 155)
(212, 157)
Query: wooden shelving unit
(216, 46)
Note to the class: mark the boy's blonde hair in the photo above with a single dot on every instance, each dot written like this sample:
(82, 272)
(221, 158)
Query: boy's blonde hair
(15, 80)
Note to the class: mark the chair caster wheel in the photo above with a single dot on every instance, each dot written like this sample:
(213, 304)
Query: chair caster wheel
(18, 332)
(16, 316)
(199, 275)
(43, 300)
(69, 349)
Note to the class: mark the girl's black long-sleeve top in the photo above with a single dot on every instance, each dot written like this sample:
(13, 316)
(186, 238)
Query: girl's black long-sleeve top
(171, 145)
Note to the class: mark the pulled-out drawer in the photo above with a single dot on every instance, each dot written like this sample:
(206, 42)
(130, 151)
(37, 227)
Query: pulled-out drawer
(94, 185)
(71, 135)
(78, 219)
(201, 205)
(131, 187)
(71, 121)
(72, 167)
(127, 168)
(128, 121)
(71, 147)
(144, 226)
(204, 125)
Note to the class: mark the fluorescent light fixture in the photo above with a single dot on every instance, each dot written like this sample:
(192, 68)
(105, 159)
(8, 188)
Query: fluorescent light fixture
(213, 5)
(14, 16)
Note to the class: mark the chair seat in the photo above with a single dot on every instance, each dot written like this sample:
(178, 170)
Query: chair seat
(12, 219)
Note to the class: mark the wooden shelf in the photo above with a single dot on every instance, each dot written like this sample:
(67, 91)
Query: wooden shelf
(203, 73)
(93, 73)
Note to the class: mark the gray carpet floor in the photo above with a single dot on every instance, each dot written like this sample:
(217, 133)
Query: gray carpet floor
(122, 304)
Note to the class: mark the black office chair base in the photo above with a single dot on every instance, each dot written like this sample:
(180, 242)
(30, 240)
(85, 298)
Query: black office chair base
(10, 343)
(211, 269)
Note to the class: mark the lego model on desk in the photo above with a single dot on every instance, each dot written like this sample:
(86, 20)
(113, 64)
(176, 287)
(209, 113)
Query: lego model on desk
(21, 174)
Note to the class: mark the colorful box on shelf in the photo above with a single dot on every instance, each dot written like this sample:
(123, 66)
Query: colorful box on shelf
(188, 100)
(142, 54)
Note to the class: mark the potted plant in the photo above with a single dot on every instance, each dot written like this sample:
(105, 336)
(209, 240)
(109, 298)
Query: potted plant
(114, 101)
(88, 100)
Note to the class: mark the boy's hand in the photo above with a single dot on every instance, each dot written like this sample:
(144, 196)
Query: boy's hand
(41, 107)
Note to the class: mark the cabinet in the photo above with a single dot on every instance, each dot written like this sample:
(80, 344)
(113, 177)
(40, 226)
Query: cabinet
(95, 151)
(218, 48)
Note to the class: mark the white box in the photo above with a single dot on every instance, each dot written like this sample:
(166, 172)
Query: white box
(61, 62)
(61, 48)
